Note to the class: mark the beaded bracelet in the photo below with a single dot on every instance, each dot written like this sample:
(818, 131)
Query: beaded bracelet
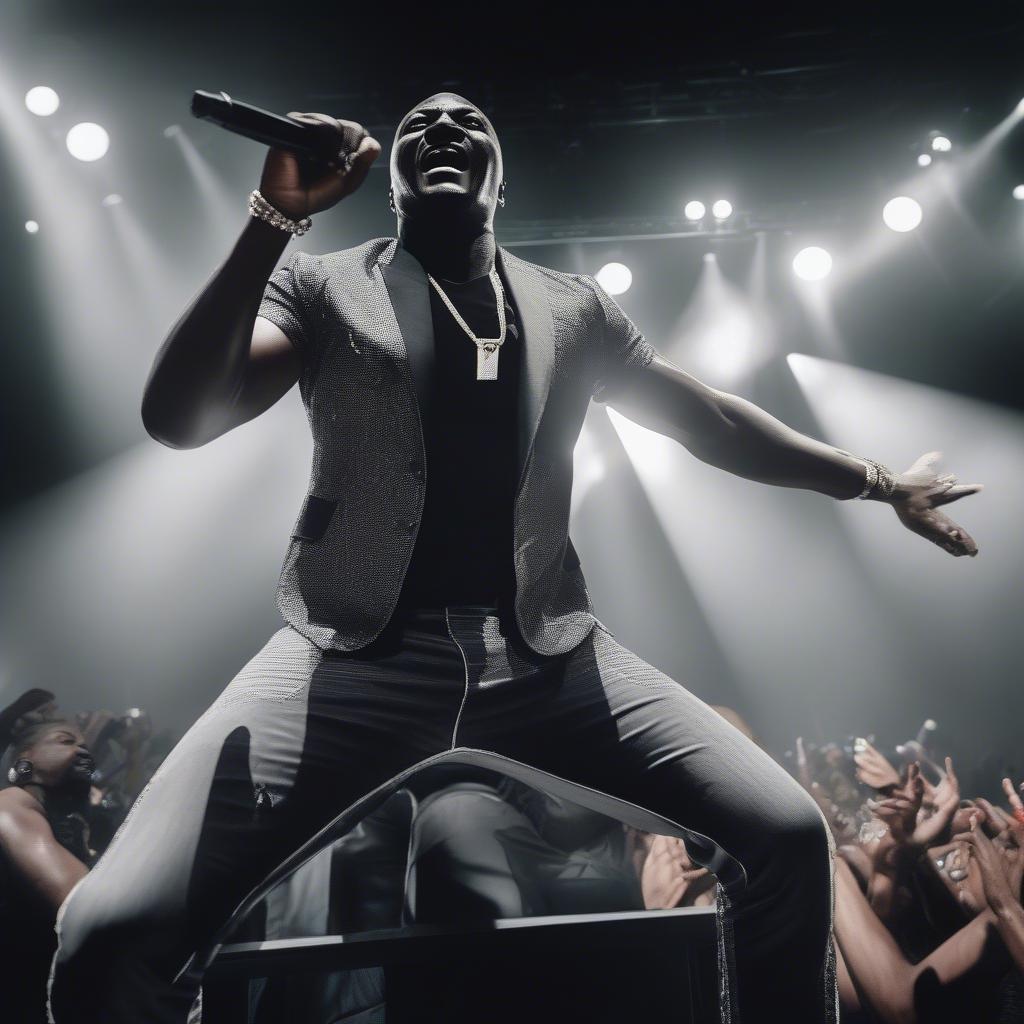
(880, 482)
(261, 209)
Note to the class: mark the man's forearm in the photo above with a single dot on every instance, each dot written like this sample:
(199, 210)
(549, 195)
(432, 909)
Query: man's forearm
(759, 447)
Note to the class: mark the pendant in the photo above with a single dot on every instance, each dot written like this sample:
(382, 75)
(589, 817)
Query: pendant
(487, 361)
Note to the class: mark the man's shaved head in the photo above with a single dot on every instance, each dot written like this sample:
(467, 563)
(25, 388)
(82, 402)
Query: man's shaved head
(446, 161)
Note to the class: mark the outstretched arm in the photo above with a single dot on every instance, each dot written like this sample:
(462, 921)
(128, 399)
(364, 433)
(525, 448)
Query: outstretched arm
(729, 432)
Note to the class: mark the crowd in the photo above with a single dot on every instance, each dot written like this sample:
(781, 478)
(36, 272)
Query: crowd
(929, 925)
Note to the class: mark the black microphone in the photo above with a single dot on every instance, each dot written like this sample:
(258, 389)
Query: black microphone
(263, 126)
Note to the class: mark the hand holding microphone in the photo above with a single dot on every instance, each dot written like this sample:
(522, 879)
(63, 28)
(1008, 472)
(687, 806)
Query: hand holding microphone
(299, 186)
(314, 161)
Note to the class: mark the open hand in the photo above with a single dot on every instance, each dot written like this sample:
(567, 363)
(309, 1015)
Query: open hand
(899, 810)
(917, 495)
(668, 873)
(873, 769)
(934, 819)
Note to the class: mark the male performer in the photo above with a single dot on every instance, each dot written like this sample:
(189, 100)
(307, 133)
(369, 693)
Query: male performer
(432, 598)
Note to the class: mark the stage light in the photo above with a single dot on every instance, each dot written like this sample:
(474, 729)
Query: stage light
(722, 209)
(694, 210)
(1018, 192)
(87, 141)
(902, 213)
(812, 263)
(42, 100)
(32, 227)
(924, 160)
(941, 144)
(614, 278)
(112, 200)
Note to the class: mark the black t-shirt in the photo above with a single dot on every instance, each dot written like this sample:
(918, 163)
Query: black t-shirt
(463, 552)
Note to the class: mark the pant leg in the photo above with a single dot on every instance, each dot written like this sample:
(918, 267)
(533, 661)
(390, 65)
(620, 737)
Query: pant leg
(603, 718)
(295, 738)
(458, 865)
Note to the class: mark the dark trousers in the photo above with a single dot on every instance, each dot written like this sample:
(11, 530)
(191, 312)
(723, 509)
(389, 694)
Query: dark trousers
(301, 734)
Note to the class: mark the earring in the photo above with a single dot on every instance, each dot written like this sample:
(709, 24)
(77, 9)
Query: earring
(20, 772)
(391, 200)
(501, 194)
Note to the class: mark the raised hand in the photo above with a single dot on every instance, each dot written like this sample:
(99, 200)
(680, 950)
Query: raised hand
(945, 799)
(899, 811)
(668, 873)
(1001, 867)
(1016, 806)
(917, 496)
(873, 769)
(299, 188)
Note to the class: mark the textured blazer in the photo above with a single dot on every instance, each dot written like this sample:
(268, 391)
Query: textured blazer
(361, 322)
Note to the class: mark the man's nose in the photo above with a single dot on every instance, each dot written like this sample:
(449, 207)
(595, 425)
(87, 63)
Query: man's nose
(444, 129)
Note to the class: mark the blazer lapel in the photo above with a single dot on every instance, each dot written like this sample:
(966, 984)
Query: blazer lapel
(406, 285)
(529, 292)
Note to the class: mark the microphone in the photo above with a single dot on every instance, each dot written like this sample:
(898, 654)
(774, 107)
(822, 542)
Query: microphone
(263, 126)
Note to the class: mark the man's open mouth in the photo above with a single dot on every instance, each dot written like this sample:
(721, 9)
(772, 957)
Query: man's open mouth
(451, 156)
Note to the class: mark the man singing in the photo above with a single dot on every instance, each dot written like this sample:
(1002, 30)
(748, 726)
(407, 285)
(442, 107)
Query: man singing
(434, 605)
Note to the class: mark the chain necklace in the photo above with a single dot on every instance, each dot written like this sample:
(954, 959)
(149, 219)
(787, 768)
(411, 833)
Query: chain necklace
(487, 349)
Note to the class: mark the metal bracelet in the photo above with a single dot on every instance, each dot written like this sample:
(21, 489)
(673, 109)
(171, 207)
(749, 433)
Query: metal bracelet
(870, 477)
(881, 483)
(262, 210)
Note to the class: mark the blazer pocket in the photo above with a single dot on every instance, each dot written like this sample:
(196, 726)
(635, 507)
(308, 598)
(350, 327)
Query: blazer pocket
(571, 559)
(315, 518)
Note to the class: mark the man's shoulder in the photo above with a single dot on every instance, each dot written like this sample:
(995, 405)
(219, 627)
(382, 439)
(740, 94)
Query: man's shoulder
(356, 259)
(580, 285)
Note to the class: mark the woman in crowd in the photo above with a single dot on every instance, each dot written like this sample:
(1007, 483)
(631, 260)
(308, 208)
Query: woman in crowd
(44, 844)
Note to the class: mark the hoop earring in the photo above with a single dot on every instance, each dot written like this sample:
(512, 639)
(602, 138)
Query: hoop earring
(20, 772)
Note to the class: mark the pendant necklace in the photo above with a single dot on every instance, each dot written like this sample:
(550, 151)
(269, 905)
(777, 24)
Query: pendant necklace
(487, 349)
